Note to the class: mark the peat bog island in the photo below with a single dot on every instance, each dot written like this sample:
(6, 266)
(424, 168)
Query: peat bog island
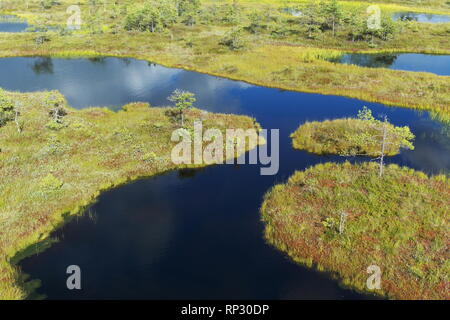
(224, 150)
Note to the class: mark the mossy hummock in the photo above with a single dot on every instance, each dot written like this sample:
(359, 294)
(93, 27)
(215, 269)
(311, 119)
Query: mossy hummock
(344, 218)
(56, 160)
(351, 137)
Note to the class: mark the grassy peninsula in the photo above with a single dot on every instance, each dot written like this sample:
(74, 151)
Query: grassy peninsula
(50, 169)
(342, 218)
(257, 42)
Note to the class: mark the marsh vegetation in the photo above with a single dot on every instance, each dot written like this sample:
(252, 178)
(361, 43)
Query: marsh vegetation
(359, 136)
(56, 160)
(78, 153)
(397, 222)
(248, 40)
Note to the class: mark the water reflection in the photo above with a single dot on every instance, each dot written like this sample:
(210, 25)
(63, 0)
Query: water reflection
(43, 66)
(195, 233)
(438, 64)
(12, 24)
(369, 60)
(421, 17)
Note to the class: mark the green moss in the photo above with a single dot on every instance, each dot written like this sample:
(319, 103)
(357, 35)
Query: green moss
(398, 222)
(47, 176)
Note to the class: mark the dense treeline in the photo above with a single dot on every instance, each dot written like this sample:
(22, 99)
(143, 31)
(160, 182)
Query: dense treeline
(310, 20)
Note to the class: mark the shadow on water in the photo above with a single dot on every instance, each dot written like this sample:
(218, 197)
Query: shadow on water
(438, 64)
(369, 60)
(421, 17)
(43, 66)
(194, 233)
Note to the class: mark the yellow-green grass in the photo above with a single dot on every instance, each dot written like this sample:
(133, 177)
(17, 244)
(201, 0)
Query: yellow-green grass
(284, 67)
(425, 6)
(340, 136)
(292, 63)
(272, 65)
(398, 222)
(48, 175)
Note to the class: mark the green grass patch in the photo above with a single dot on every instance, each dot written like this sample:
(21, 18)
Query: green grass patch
(278, 52)
(51, 170)
(398, 222)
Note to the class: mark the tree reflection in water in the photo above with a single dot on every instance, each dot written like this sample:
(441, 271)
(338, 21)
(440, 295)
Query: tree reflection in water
(43, 65)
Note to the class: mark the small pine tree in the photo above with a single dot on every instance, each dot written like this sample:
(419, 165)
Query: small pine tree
(7, 112)
(332, 12)
(232, 13)
(183, 100)
(256, 22)
(55, 104)
(155, 15)
(311, 18)
(355, 22)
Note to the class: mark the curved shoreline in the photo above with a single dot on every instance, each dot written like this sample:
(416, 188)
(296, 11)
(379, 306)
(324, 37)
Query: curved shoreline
(350, 136)
(443, 115)
(301, 227)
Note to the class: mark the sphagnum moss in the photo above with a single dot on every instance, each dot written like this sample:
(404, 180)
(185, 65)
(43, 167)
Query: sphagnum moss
(351, 137)
(47, 175)
(398, 223)
(292, 62)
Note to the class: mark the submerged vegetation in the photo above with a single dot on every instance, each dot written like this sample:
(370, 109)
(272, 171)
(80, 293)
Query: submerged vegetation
(361, 136)
(344, 218)
(252, 41)
(61, 159)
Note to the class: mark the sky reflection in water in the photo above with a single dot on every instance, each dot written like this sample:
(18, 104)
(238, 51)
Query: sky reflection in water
(193, 234)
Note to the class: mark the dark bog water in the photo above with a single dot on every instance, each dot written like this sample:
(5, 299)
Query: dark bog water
(438, 64)
(12, 24)
(421, 17)
(193, 234)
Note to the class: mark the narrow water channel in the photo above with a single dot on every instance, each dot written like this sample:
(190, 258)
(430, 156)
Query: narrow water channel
(194, 234)
(437, 64)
